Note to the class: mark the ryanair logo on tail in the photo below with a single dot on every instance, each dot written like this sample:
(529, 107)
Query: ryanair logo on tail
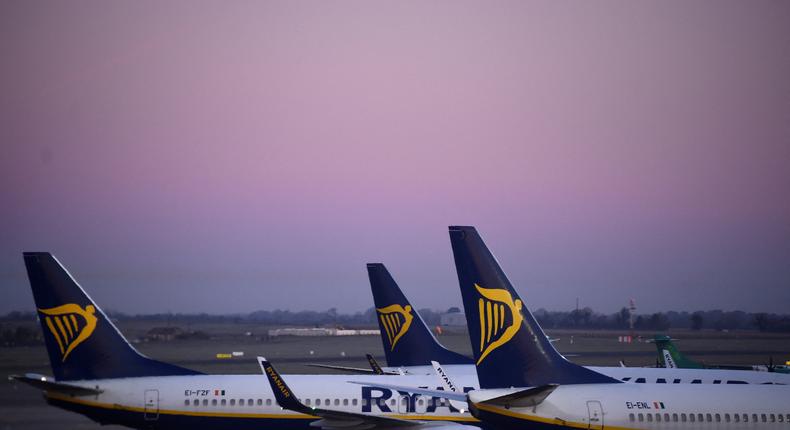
(396, 321)
(70, 325)
(496, 306)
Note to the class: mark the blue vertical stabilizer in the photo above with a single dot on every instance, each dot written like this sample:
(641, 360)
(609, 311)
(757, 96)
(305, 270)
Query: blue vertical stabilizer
(81, 341)
(509, 346)
(407, 340)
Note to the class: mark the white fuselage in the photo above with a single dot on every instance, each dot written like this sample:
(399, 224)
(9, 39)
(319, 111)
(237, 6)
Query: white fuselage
(250, 396)
(647, 407)
(467, 375)
(632, 406)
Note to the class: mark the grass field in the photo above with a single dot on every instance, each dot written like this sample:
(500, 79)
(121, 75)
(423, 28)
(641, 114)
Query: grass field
(22, 407)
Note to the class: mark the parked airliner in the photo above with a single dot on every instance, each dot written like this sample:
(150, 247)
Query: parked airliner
(526, 384)
(99, 374)
(410, 347)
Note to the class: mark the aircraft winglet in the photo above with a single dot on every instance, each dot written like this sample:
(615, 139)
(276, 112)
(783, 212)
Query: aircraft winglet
(448, 384)
(282, 393)
(330, 418)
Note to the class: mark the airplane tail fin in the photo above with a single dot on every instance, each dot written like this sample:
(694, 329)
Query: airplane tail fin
(81, 341)
(509, 346)
(670, 357)
(407, 340)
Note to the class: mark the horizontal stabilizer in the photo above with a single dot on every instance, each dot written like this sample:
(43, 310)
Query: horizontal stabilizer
(349, 369)
(525, 398)
(48, 384)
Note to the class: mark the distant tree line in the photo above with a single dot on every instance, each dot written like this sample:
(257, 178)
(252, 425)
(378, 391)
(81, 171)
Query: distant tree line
(19, 336)
(585, 318)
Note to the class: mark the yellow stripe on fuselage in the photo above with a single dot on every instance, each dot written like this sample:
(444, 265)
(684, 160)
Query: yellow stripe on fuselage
(539, 419)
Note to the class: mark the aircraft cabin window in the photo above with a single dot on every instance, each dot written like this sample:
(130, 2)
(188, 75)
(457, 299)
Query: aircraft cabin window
(420, 401)
(364, 402)
(650, 418)
(260, 402)
(327, 402)
(661, 381)
(306, 402)
(736, 418)
(641, 417)
(737, 382)
(717, 381)
(631, 417)
(696, 381)
(213, 402)
(186, 402)
(392, 402)
(763, 417)
(223, 402)
(683, 417)
(345, 402)
(718, 418)
(666, 417)
(692, 418)
(205, 402)
(781, 417)
(754, 418)
(269, 402)
(700, 418)
(353, 402)
(626, 379)
(337, 402)
(640, 380)
(676, 381)
(318, 402)
(249, 402)
(233, 402)
(746, 418)
(658, 418)
(195, 402)
(727, 417)
(772, 418)
(675, 417)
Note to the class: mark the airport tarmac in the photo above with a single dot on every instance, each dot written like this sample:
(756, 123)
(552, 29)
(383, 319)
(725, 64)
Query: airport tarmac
(22, 407)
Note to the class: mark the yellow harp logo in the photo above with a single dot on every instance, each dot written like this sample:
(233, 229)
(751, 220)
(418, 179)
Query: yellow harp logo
(396, 321)
(70, 325)
(493, 306)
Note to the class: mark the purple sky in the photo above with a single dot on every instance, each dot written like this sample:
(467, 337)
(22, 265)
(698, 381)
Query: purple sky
(228, 157)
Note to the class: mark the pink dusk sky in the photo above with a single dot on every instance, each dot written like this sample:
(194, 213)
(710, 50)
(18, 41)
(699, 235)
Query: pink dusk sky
(232, 156)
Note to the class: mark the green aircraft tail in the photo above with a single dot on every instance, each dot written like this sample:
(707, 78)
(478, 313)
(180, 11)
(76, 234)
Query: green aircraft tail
(669, 356)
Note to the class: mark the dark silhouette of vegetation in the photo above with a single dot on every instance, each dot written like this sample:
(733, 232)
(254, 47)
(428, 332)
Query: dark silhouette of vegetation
(20, 328)
(20, 336)
(696, 321)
